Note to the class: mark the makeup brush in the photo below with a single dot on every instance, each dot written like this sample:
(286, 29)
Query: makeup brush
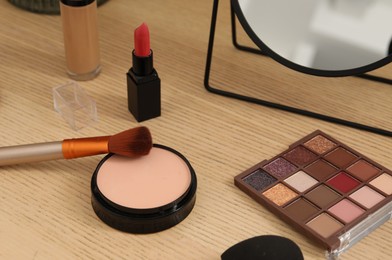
(132, 142)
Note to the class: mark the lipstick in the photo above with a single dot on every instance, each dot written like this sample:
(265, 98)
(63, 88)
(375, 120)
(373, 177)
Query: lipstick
(143, 83)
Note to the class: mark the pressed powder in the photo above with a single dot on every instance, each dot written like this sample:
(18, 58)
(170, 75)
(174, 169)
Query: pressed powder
(144, 194)
(146, 182)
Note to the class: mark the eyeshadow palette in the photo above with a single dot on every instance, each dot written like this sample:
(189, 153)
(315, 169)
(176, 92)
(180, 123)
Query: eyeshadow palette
(324, 189)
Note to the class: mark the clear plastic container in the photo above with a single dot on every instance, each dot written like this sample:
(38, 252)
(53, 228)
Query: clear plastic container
(74, 105)
(354, 235)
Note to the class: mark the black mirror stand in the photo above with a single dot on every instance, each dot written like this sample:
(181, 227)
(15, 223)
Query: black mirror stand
(272, 104)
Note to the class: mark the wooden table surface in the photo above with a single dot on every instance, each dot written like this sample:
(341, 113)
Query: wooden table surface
(46, 211)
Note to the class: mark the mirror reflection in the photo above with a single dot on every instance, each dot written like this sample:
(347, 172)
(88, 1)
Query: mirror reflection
(323, 34)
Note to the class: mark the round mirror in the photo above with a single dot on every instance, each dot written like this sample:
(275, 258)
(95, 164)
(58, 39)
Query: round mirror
(321, 37)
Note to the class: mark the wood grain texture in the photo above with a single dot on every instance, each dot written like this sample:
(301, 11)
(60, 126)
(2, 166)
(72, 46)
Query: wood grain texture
(45, 207)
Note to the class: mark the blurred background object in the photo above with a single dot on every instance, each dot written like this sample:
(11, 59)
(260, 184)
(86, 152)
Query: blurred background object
(42, 6)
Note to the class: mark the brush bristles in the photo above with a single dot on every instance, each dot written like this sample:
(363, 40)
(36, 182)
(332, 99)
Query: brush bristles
(133, 142)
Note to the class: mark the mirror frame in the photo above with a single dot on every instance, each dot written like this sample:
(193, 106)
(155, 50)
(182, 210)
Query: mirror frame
(307, 70)
(266, 103)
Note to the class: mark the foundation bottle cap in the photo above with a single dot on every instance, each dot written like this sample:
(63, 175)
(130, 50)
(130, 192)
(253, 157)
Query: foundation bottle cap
(77, 2)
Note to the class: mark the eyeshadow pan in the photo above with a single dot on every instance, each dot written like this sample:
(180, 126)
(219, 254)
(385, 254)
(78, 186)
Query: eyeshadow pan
(320, 144)
(322, 196)
(363, 170)
(300, 181)
(320, 170)
(340, 157)
(280, 168)
(367, 197)
(383, 183)
(301, 210)
(300, 156)
(325, 225)
(346, 210)
(280, 194)
(259, 179)
(343, 183)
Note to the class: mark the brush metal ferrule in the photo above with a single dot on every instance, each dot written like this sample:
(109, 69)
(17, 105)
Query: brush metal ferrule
(81, 147)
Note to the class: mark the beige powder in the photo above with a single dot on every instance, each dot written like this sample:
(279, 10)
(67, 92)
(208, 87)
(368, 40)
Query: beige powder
(150, 181)
(325, 225)
(81, 41)
(383, 183)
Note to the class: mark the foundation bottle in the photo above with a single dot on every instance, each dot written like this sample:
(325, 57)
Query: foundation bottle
(81, 41)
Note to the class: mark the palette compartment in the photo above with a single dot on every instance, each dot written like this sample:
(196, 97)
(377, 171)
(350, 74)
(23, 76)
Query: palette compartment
(324, 189)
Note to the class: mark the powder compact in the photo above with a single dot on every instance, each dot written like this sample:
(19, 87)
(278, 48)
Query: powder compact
(145, 194)
(324, 189)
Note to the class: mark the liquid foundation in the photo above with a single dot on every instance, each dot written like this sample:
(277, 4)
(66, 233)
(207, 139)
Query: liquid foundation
(81, 41)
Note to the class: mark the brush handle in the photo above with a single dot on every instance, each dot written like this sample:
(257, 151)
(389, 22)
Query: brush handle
(66, 149)
(31, 153)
